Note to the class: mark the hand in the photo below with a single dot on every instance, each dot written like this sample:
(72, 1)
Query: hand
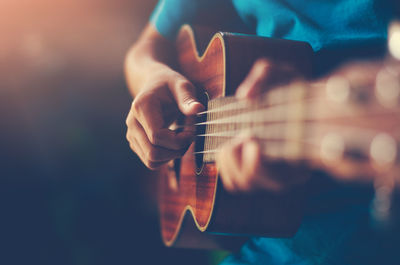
(161, 100)
(241, 163)
(243, 168)
(264, 75)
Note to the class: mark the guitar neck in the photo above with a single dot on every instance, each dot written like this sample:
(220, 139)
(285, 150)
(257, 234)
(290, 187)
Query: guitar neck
(275, 118)
(345, 129)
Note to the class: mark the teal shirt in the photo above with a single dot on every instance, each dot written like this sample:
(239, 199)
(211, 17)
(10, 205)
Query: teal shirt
(321, 23)
(336, 227)
(336, 29)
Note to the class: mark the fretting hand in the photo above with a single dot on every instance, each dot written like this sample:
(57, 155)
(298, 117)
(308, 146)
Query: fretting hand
(241, 163)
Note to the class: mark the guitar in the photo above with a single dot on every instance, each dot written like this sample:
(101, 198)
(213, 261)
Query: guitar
(345, 129)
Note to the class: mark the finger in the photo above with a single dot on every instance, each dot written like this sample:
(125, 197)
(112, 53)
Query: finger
(232, 155)
(263, 75)
(226, 164)
(132, 144)
(185, 95)
(226, 180)
(189, 124)
(137, 149)
(174, 140)
(149, 115)
(256, 170)
(221, 162)
(131, 124)
(250, 166)
(139, 152)
(151, 154)
(255, 80)
(240, 177)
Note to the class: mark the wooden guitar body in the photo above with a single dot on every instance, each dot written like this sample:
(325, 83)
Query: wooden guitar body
(195, 210)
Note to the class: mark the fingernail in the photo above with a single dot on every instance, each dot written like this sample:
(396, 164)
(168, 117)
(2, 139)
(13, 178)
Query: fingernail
(196, 104)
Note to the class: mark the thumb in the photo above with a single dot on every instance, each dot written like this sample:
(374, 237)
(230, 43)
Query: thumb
(185, 95)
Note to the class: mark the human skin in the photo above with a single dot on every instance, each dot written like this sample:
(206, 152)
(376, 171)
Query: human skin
(161, 94)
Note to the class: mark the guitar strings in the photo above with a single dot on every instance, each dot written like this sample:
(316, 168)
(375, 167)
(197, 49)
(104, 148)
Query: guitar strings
(266, 115)
(273, 149)
(265, 140)
(276, 95)
(227, 117)
(363, 135)
(275, 140)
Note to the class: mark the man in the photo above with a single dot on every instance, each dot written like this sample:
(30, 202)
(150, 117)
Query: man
(337, 30)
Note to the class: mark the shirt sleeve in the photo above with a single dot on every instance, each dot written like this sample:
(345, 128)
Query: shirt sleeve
(169, 15)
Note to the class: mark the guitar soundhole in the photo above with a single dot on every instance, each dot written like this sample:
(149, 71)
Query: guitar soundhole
(200, 130)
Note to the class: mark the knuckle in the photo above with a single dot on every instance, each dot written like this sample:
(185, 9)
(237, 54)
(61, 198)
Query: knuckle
(129, 118)
(146, 162)
(154, 137)
(183, 83)
(185, 88)
(132, 146)
(262, 67)
(131, 141)
(128, 136)
(152, 154)
(140, 101)
(136, 104)
(129, 121)
(263, 64)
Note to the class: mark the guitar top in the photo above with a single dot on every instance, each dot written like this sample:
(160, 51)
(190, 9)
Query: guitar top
(347, 129)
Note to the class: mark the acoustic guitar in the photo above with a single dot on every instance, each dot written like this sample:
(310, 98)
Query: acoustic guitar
(346, 129)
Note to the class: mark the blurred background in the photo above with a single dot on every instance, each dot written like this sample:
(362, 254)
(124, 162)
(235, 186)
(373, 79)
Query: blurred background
(71, 191)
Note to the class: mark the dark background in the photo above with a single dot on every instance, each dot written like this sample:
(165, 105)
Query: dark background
(71, 191)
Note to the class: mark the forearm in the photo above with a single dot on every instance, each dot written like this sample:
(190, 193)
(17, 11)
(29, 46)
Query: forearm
(151, 53)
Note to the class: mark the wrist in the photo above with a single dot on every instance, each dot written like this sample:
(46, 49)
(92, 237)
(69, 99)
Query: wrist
(151, 56)
(140, 69)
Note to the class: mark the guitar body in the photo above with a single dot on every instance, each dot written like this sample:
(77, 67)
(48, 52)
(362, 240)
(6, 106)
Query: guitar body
(195, 210)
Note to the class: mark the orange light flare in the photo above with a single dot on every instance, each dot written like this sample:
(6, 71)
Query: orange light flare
(58, 58)
(44, 37)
